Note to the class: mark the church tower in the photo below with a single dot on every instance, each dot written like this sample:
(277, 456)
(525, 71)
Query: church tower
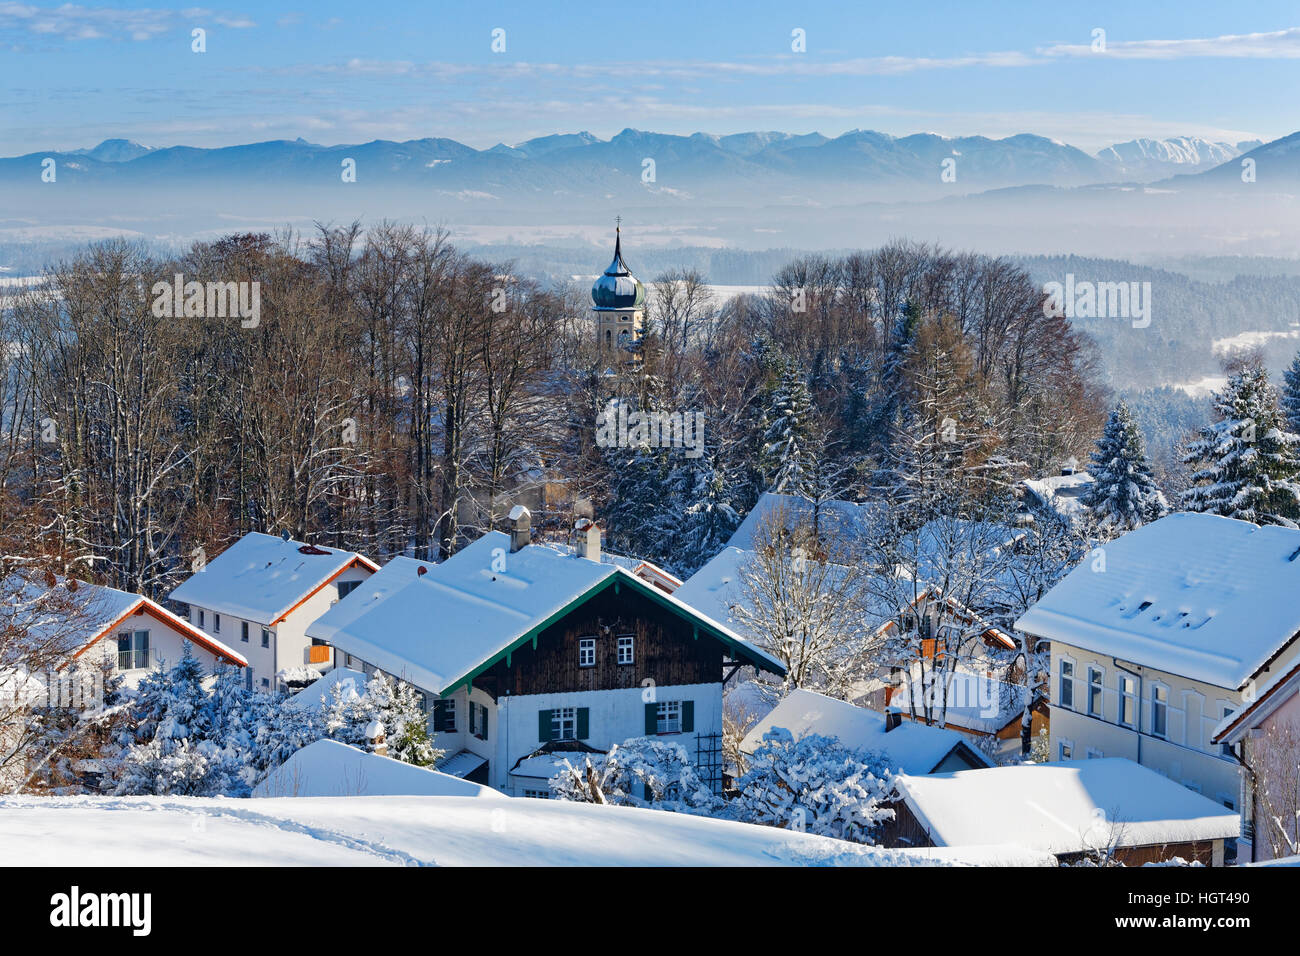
(618, 301)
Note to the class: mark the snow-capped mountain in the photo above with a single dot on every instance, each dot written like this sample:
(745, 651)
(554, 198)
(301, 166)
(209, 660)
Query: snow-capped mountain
(1145, 159)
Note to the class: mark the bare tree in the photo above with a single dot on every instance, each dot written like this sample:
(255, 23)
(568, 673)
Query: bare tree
(1273, 760)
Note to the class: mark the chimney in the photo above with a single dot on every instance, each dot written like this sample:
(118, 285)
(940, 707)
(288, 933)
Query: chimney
(376, 738)
(588, 534)
(520, 527)
(893, 718)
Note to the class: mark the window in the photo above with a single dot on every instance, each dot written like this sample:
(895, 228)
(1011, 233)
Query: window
(478, 720)
(670, 717)
(266, 637)
(200, 619)
(627, 649)
(444, 716)
(1128, 701)
(132, 650)
(1094, 692)
(216, 623)
(564, 723)
(1067, 684)
(1095, 754)
(347, 587)
(1226, 748)
(1066, 750)
(586, 652)
(1159, 710)
(243, 631)
(537, 794)
(266, 683)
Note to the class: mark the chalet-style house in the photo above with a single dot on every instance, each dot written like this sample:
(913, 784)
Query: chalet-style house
(260, 594)
(527, 653)
(1062, 493)
(1156, 637)
(131, 632)
(1107, 808)
(1265, 737)
(907, 747)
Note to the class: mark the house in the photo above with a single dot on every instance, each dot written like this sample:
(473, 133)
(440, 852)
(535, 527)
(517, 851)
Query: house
(522, 650)
(1265, 737)
(131, 632)
(1073, 810)
(1156, 636)
(908, 747)
(260, 594)
(984, 708)
(328, 768)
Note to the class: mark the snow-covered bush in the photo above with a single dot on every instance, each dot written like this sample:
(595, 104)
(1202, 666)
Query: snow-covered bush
(641, 772)
(396, 705)
(815, 784)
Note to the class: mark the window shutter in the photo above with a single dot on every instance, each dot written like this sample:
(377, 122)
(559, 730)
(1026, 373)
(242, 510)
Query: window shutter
(584, 723)
(543, 725)
(439, 716)
(483, 722)
(651, 719)
(688, 716)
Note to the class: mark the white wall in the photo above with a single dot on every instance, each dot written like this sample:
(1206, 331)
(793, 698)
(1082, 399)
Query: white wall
(615, 716)
(166, 646)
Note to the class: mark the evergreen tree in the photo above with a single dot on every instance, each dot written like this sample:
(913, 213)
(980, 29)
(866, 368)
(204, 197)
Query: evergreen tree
(1247, 462)
(1124, 495)
(791, 443)
(1291, 395)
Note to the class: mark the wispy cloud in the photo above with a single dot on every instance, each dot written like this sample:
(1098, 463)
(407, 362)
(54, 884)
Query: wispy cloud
(1278, 45)
(71, 21)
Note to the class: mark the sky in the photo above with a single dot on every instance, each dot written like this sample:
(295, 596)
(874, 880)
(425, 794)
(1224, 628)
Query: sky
(335, 72)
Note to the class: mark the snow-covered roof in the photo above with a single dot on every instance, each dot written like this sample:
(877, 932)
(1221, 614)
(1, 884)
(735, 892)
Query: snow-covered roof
(328, 768)
(316, 695)
(911, 748)
(438, 629)
(1260, 703)
(1061, 492)
(461, 764)
(545, 766)
(715, 589)
(84, 616)
(262, 577)
(1064, 807)
(844, 518)
(1197, 595)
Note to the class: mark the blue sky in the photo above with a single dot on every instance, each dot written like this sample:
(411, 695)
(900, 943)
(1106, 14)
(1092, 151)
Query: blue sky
(338, 72)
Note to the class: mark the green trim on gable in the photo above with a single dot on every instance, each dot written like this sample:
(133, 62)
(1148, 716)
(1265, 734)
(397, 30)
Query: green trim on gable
(739, 649)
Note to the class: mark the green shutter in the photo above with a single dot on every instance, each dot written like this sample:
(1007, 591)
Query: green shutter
(651, 719)
(543, 725)
(688, 716)
(439, 716)
(483, 714)
(584, 723)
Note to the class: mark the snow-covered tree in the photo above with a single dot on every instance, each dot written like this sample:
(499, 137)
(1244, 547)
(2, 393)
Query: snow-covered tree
(396, 705)
(408, 727)
(815, 784)
(640, 772)
(803, 598)
(1291, 395)
(792, 443)
(1124, 495)
(1248, 463)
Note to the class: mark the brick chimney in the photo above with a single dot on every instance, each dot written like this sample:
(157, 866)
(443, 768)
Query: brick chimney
(520, 527)
(588, 535)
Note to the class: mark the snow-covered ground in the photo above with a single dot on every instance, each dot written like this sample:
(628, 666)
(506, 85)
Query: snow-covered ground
(418, 831)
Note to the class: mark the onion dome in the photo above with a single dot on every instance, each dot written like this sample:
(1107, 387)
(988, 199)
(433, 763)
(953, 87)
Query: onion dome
(617, 288)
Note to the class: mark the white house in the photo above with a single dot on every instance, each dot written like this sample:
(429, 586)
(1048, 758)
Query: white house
(908, 747)
(260, 594)
(1110, 807)
(524, 651)
(1156, 637)
(130, 631)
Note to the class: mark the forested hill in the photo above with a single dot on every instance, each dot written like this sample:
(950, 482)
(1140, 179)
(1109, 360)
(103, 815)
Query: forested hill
(1188, 317)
